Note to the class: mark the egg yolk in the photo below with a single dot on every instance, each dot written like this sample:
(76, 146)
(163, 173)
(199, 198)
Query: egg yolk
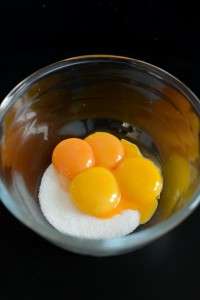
(71, 156)
(131, 150)
(140, 183)
(108, 176)
(139, 179)
(95, 191)
(108, 150)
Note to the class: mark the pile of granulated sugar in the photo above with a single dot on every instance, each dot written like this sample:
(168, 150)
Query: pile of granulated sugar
(60, 211)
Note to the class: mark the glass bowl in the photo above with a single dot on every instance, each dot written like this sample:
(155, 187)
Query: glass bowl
(77, 96)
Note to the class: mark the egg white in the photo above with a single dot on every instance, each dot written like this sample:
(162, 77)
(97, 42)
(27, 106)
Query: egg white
(62, 214)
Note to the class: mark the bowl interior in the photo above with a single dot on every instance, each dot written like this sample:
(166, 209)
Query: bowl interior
(128, 98)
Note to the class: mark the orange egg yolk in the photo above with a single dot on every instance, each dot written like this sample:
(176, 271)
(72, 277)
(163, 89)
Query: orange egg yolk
(95, 191)
(108, 150)
(71, 156)
(130, 149)
(108, 176)
(140, 183)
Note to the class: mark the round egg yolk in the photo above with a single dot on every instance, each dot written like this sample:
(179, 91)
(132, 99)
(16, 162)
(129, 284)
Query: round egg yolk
(71, 156)
(108, 150)
(139, 180)
(95, 191)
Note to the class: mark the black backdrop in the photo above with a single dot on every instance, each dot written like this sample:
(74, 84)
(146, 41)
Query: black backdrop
(34, 34)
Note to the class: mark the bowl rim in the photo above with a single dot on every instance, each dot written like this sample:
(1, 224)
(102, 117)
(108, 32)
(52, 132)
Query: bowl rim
(104, 247)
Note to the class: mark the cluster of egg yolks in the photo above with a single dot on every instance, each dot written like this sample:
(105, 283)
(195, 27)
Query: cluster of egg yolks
(108, 176)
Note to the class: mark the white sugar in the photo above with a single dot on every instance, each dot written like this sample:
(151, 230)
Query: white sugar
(62, 214)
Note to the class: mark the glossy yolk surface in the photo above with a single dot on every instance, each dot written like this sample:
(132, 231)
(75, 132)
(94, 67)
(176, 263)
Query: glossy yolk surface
(140, 183)
(95, 191)
(130, 149)
(108, 150)
(108, 176)
(139, 179)
(71, 156)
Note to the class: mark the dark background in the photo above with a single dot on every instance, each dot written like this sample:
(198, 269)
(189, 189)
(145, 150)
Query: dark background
(34, 34)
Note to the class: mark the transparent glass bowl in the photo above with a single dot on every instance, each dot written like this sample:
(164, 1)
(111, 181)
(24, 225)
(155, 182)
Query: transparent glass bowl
(77, 96)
